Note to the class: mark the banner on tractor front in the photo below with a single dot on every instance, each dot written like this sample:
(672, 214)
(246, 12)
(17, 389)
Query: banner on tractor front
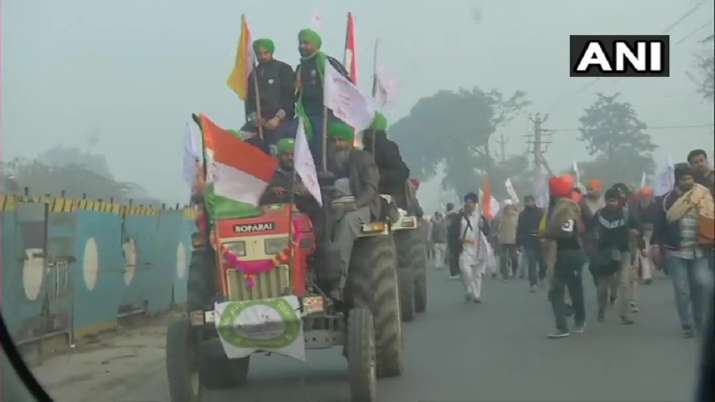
(268, 325)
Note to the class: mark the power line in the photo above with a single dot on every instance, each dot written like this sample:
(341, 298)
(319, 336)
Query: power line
(683, 39)
(596, 80)
(683, 17)
(647, 128)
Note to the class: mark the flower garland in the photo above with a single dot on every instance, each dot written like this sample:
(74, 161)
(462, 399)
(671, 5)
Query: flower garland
(252, 268)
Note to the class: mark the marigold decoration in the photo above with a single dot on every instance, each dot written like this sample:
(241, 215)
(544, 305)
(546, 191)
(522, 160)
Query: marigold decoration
(250, 269)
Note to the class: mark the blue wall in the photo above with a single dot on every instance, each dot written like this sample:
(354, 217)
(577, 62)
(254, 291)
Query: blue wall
(156, 283)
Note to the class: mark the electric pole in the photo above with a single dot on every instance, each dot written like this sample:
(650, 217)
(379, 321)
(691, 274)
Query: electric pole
(539, 142)
(502, 142)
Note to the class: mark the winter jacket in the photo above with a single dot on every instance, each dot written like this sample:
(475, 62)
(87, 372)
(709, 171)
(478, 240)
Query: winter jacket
(393, 170)
(528, 227)
(507, 226)
(276, 83)
(439, 231)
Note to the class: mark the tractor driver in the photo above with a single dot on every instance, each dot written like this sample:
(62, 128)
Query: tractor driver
(278, 191)
(361, 201)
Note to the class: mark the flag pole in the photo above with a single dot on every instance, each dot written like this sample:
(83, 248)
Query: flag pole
(259, 116)
(347, 37)
(374, 68)
(291, 248)
(324, 156)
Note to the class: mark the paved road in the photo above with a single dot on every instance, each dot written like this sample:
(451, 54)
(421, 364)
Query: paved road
(496, 351)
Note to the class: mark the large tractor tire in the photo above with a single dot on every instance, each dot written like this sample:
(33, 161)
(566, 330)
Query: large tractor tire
(419, 266)
(218, 371)
(201, 283)
(182, 366)
(373, 283)
(412, 260)
(407, 294)
(361, 355)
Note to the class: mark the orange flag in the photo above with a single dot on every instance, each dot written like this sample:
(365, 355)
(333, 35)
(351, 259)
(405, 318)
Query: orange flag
(486, 202)
(238, 80)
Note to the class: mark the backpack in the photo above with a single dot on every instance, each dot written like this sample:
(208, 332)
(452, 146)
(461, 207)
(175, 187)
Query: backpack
(455, 235)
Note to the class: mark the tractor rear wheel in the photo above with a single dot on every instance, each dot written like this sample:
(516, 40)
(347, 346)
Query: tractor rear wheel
(373, 283)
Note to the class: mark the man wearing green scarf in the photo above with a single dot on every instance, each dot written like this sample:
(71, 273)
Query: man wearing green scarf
(275, 90)
(284, 179)
(309, 87)
(357, 201)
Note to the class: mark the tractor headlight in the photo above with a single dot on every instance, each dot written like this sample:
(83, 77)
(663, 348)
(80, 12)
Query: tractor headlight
(239, 248)
(275, 246)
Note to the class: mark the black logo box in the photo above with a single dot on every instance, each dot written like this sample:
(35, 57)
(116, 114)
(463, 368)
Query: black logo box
(579, 44)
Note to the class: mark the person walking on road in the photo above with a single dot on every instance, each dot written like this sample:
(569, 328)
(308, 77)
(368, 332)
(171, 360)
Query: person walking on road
(452, 222)
(505, 227)
(611, 262)
(591, 203)
(644, 212)
(439, 240)
(562, 233)
(680, 215)
(473, 253)
(704, 174)
(527, 239)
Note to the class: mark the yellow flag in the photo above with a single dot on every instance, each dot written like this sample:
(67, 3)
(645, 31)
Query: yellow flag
(238, 80)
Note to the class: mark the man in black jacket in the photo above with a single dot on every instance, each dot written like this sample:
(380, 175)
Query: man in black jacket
(393, 170)
(275, 91)
(309, 87)
(527, 231)
(452, 219)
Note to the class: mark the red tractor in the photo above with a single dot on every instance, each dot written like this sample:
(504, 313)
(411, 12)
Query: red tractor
(255, 287)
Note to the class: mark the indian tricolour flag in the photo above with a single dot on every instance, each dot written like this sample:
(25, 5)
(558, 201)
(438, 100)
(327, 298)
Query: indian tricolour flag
(238, 170)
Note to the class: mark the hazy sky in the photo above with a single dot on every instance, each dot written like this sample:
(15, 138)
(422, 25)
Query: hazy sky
(132, 71)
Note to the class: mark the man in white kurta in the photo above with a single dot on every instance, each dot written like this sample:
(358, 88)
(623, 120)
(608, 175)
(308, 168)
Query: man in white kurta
(474, 255)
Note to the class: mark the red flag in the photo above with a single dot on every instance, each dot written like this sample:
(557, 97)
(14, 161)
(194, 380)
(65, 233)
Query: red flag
(351, 50)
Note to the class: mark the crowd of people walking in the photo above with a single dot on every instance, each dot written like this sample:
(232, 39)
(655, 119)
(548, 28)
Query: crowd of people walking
(623, 236)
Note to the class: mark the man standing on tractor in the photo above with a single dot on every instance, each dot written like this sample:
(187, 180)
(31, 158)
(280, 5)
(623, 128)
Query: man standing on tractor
(362, 175)
(279, 189)
(275, 92)
(394, 173)
(309, 87)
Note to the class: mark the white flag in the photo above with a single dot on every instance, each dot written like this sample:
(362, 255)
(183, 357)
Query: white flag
(304, 164)
(541, 190)
(316, 22)
(643, 180)
(346, 101)
(385, 88)
(577, 173)
(192, 151)
(510, 190)
(665, 181)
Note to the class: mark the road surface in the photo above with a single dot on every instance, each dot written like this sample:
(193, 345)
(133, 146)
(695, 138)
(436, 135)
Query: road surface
(496, 351)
